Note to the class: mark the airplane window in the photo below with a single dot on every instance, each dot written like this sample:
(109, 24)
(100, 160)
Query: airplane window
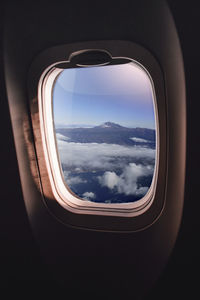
(104, 120)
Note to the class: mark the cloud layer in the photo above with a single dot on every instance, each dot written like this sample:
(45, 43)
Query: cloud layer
(100, 156)
(116, 167)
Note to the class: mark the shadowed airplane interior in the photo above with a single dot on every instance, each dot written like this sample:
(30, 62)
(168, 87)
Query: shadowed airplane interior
(99, 207)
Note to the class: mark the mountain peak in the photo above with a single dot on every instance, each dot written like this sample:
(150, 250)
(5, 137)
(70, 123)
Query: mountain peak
(110, 125)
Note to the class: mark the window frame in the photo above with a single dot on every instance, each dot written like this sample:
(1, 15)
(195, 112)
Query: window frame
(138, 215)
(62, 193)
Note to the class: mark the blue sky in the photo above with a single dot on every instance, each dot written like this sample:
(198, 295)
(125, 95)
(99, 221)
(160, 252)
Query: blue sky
(91, 96)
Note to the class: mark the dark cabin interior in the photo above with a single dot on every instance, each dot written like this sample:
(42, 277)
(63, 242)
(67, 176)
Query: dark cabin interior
(23, 270)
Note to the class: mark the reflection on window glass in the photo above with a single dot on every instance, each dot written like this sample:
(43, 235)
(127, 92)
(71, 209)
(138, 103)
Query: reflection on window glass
(105, 130)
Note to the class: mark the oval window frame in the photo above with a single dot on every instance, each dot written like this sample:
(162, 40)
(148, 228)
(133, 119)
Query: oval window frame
(62, 193)
(139, 218)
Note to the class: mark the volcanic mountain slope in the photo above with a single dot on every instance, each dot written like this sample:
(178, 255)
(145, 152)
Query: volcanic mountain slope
(110, 133)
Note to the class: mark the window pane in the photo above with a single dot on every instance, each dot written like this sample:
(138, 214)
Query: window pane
(105, 128)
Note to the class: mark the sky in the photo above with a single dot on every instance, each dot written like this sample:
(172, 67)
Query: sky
(92, 96)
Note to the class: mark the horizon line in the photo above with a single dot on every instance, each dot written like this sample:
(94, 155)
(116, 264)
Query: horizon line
(62, 125)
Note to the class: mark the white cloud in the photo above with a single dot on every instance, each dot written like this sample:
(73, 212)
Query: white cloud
(89, 195)
(100, 156)
(72, 180)
(61, 137)
(126, 183)
(139, 140)
(109, 179)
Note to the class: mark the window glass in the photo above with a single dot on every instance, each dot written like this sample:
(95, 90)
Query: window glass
(105, 128)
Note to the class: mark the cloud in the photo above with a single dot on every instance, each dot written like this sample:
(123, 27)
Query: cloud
(89, 195)
(109, 179)
(72, 180)
(61, 137)
(139, 140)
(93, 156)
(126, 183)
